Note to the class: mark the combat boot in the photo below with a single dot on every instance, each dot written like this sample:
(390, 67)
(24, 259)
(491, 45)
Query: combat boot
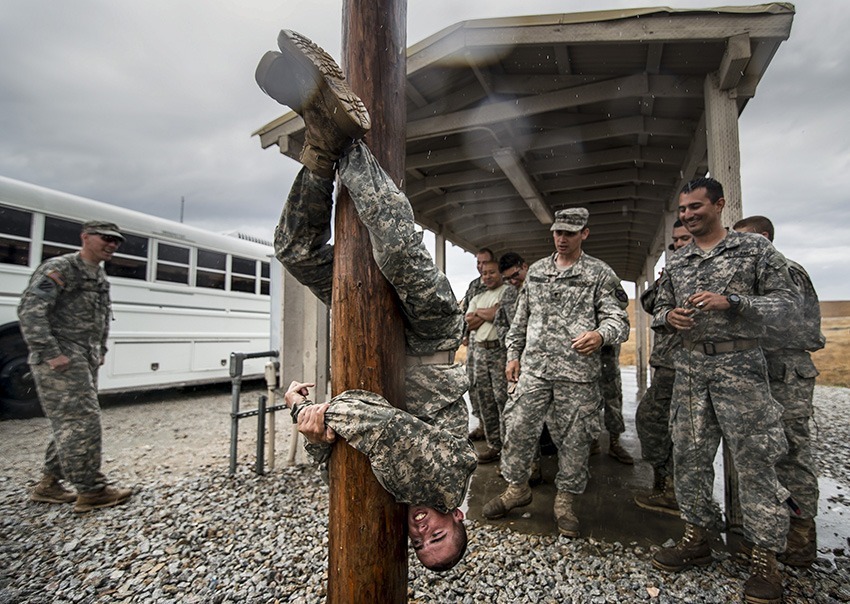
(616, 450)
(104, 498)
(802, 548)
(662, 499)
(691, 550)
(765, 583)
(565, 517)
(307, 79)
(515, 496)
(489, 455)
(50, 490)
(595, 448)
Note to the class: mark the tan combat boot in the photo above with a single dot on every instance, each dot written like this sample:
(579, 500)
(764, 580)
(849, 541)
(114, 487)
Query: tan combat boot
(616, 450)
(802, 548)
(565, 517)
(662, 499)
(307, 79)
(50, 490)
(765, 583)
(691, 550)
(104, 498)
(515, 496)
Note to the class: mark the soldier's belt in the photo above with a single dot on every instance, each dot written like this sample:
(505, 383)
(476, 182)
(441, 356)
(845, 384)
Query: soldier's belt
(712, 348)
(443, 357)
(489, 344)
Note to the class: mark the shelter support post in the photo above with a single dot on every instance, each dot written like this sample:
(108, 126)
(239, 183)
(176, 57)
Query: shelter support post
(367, 540)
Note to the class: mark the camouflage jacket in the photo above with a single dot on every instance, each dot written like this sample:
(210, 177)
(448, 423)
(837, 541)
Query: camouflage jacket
(787, 345)
(65, 309)
(742, 263)
(505, 313)
(555, 306)
(664, 344)
(417, 459)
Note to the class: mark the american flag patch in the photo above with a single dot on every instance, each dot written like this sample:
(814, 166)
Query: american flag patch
(57, 277)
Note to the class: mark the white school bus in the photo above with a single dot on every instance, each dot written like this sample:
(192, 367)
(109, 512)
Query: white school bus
(183, 298)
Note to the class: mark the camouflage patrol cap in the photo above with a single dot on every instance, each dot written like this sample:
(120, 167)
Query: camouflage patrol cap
(98, 227)
(571, 219)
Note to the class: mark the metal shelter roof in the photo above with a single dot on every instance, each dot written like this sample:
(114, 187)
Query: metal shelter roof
(510, 120)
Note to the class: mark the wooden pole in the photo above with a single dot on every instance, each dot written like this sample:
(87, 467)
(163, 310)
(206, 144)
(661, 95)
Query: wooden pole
(367, 530)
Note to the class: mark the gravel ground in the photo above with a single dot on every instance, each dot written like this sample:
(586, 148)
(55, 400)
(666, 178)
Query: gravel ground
(193, 534)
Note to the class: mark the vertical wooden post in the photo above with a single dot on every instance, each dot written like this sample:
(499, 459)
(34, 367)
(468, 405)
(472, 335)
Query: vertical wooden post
(367, 530)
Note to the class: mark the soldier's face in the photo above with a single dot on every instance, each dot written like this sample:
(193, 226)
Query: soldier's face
(481, 259)
(568, 243)
(681, 237)
(98, 248)
(697, 212)
(515, 275)
(490, 275)
(433, 533)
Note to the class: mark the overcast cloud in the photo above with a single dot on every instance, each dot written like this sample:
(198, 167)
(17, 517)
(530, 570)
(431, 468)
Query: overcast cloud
(141, 103)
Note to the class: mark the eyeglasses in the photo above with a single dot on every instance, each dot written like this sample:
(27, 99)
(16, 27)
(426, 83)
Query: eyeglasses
(513, 277)
(110, 238)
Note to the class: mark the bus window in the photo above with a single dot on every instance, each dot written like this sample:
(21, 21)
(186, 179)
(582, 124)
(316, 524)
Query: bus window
(15, 229)
(243, 276)
(264, 278)
(60, 237)
(212, 269)
(172, 263)
(131, 259)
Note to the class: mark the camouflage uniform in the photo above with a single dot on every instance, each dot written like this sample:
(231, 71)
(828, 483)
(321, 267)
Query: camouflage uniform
(65, 310)
(505, 314)
(610, 383)
(475, 288)
(792, 383)
(491, 384)
(556, 383)
(726, 394)
(433, 322)
(652, 418)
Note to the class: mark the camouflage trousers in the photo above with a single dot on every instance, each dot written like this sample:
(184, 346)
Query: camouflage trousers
(652, 421)
(433, 320)
(491, 388)
(572, 412)
(470, 373)
(727, 396)
(796, 470)
(69, 400)
(611, 385)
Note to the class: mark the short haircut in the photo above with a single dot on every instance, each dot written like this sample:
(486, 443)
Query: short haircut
(493, 262)
(759, 224)
(488, 251)
(460, 540)
(510, 260)
(678, 224)
(713, 189)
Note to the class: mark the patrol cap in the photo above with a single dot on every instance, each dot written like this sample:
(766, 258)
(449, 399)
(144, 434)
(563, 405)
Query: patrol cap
(98, 227)
(571, 219)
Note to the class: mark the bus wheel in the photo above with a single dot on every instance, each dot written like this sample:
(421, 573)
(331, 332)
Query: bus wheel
(18, 397)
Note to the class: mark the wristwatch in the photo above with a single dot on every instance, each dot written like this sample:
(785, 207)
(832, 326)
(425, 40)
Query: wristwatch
(734, 302)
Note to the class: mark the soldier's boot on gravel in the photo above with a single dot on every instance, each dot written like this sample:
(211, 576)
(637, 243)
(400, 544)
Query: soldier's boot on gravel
(802, 548)
(514, 496)
(616, 450)
(104, 498)
(564, 516)
(50, 490)
(691, 550)
(662, 498)
(764, 585)
(305, 78)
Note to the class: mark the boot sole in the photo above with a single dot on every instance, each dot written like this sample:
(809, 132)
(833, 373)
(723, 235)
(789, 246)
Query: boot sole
(755, 600)
(310, 63)
(659, 509)
(45, 499)
(108, 504)
(677, 569)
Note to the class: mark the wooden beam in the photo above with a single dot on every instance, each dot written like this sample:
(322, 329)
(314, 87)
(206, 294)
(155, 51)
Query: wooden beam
(367, 529)
(734, 61)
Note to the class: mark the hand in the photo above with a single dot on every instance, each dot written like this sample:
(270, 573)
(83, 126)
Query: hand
(297, 393)
(587, 343)
(311, 423)
(60, 363)
(708, 301)
(512, 371)
(681, 318)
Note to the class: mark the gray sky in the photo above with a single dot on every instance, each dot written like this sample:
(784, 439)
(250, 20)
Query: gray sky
(141, 103)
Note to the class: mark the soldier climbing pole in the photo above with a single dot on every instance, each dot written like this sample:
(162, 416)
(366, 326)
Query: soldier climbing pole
(367, 530)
